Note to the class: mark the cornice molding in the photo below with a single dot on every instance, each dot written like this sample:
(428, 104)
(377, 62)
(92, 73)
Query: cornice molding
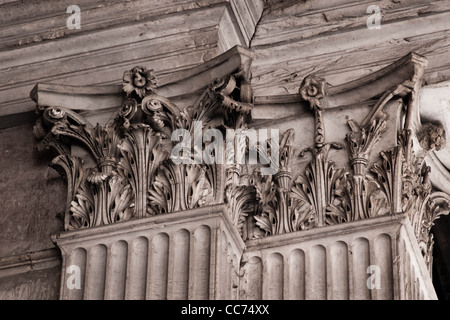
(408, 68)
(196, 31)
(181, 83)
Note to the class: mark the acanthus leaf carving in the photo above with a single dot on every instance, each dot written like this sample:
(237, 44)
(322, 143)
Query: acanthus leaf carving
(179, 187)
(133, 176)
(437, 205)
(282, 207)
(104, 201)
(360, 141)
(142, 153)
(322, 187)
(72, 168)
(422, 204)
(82, 209)
(241, 200)
(267, 200)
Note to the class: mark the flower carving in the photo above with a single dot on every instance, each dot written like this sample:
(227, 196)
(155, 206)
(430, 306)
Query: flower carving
(432, 136)
(56, 113)
(139, 80)
(312, 90)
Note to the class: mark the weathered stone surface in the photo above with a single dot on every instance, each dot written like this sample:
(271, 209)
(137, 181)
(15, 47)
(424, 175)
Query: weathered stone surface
(32, 194)
(36, 285)
(29, 262)
(34, 22)
(169, 35)
(331, 40)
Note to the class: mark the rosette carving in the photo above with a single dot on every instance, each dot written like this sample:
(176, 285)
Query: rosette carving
(313, 89)
(140, 81)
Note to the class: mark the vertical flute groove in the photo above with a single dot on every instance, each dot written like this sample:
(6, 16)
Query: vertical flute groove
(158, 267)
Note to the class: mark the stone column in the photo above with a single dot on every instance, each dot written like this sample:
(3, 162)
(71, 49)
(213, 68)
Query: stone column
(186, 255)
(373, 259)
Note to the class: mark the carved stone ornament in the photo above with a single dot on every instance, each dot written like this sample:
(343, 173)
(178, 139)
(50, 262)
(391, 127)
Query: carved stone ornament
(432, 137)
(134, 176)
(140, 81)
(313, 89)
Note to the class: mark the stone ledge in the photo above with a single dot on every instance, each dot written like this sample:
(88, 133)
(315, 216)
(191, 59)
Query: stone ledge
(95, 98)
(326, 231)
(160, 221)
(28, 262)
